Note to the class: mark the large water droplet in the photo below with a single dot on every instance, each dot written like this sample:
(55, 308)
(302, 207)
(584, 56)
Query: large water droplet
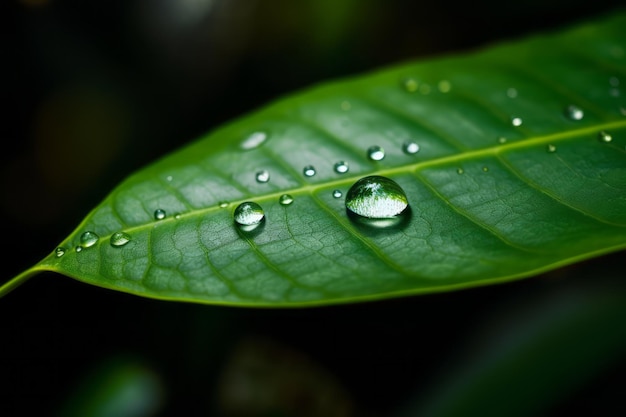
(551, 148)
(574, 112)
(262, 176)
(410, 148)
(375, 153)
(88, 239)
(337, 193)
(341, 167)
(376, 197)
(60, 251)
(159, 214)
(605, 137)
(308, 171)
(119, 239)
(516, 121)
(249, 215)
(254, 140)
(285, 199)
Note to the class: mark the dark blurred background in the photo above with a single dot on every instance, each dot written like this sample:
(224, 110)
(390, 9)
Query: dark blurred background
(94, 90)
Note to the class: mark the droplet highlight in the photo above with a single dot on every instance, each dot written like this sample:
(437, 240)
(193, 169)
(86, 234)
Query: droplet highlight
(516, 121)
(222, 204)
(88, 239)
(341, 167)
(249, 215)
(159, 214)
(337, 193)
(308, 171)
(376, 197)
(551, 148)
(119, 239)
(285, 199)
(60, 251)
(574, 112)
(253, 141)
(410, 148)
(605, 137)
(375, 153)
(262, 176)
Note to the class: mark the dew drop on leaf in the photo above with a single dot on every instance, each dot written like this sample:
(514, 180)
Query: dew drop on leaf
(88, 239)
(119, 239)
(337, 193)
(159, 214)
(285, 199)
(605, 137)
(262, 176)
(485, 169)
(248, 215)
(410, 148)
(79, 249)
(376, 197)
(574, 112)
(501, 139)
(459, 171)
(375, 153)
(254, 140)
(410, 85)
(341, 167)
(222, 204)
(551, 148)
(516, 121)
(60, 251)
(308, 171)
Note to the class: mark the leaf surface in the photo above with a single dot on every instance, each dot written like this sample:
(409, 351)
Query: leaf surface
(509, 181)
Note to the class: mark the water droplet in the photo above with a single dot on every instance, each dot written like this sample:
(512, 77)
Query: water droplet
(159, 214)
(88, 239)
(410, 85)
(425, 89)
(375, 153)
(551, 148)
(337, 193)
(79, 249)
(410, 148)
(501, 139)
(169, 178)
(345, 105)
(262, 176)
(309, 171)
(614, 92)
(254, 140)
(574, 112)
(511, 92)
(614, 81)
(177, 216)
(376, 197)
(341, 167)
(249, 215)
(460, 171)
(222, 204)
(119, 239)
(516, 121)
(605, 137)
(485, 169)
(60, 251)
(285, 199)
(444, 86)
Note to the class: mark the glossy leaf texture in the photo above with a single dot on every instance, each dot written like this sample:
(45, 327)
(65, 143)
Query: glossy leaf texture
(520, 167)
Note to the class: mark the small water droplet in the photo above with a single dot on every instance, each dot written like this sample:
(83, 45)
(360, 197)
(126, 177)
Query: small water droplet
(511, 92)
(285, 199)
(60, 251)
(253, 141)
(444, 86)
(222, 204)
(376, 197)
(341, 167)
(169, 178)
(501, 139)
(88, 239)
(262, 176)
(345, 105)
(308, 171)
(516, 121)
(605, 137)
(249, 215)
(410, 148)
(410, 85)
(79, 249)
(177, 216)
(551, 148)
(375, 153)
(485, 169)
(425, 89)
(119, 239)
(574, 112)
(159, 214)
(337, 193)
(460, 171)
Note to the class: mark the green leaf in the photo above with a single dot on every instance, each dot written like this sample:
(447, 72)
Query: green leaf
(509, 181)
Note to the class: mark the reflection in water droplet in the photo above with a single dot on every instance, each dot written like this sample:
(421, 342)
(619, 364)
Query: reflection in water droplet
(605, 137)
(79, 249)
(222, 204)
(376, 197)
(308, 171)
(459, 171)
(375, 153)
(345, 105)
(249, 215)
(262, 176)
(516, 121)
(410, 148)
(410, 85)
(60, 251)
(337, 193)
(119, 239)
(341, 167)
(254, 140)
(285, 199)
(551, 148)
(574, 112)
(88, 239)
(511, 92)
(501, 139)
(159, 214)
(444, 86)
